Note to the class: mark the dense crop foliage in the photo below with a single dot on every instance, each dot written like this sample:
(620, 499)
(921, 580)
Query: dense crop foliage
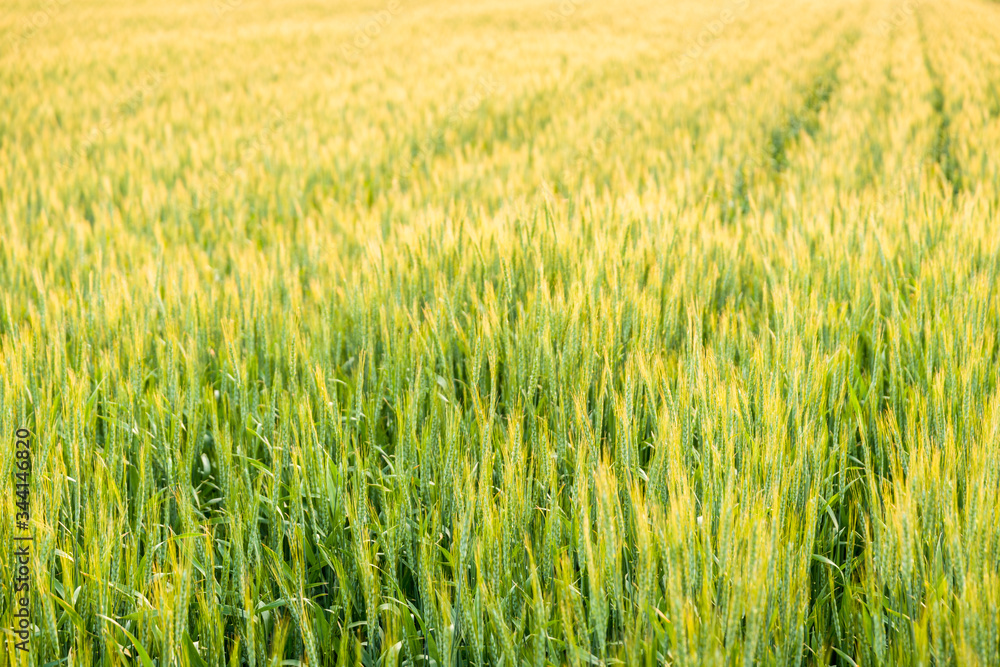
(503, 333)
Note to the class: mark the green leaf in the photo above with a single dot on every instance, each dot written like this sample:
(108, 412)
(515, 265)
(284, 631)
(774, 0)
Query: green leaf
(143, 656)
(192, 652)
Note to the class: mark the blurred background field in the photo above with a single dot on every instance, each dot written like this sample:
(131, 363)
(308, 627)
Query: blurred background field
(414, 332)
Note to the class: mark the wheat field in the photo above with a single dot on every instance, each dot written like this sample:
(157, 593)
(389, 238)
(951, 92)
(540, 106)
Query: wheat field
(412, 332)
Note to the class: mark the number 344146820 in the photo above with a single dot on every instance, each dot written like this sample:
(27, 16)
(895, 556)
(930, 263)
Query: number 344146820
(22, 475)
